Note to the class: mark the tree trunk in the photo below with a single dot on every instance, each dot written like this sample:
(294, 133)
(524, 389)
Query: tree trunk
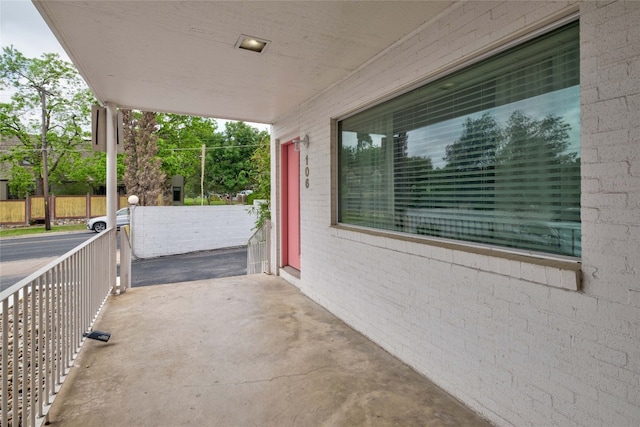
(39, 187)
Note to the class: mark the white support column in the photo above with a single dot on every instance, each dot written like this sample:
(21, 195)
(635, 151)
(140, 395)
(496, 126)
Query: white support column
(112, 172)
(276, 187)
(112, 188)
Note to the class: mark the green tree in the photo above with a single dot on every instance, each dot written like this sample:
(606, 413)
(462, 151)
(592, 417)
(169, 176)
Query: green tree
(228, 166)
(143, 175)
(66, 119)
(261, 176)
(21, 182)
(180, 139)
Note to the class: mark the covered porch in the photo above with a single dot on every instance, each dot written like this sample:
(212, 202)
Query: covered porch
(240, 351)
(524, 337)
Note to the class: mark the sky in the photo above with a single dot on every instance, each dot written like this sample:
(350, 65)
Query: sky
(22, 26)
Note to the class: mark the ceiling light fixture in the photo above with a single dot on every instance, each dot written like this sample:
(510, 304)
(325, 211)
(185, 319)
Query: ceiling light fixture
(251, 43)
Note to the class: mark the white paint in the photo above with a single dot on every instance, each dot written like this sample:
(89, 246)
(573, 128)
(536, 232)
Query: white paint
(170, 230)
(313, 45)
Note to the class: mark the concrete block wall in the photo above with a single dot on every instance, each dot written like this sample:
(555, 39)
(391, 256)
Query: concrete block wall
(170, 230)
(505, 336)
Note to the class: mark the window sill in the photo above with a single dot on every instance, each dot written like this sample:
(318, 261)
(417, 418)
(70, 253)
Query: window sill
(548, 271)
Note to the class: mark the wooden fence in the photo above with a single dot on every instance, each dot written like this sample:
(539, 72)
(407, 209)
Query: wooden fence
(26, 211)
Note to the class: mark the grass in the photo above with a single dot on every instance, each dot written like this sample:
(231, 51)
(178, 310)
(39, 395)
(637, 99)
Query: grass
(39, 229)
(195, 201)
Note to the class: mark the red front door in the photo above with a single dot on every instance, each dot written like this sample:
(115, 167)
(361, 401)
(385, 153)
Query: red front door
(290, 206)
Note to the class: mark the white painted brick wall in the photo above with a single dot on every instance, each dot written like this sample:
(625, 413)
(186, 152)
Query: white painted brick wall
(170, 230)
(486, 328)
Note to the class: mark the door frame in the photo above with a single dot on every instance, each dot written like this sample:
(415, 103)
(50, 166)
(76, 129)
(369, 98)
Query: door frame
(284, 205)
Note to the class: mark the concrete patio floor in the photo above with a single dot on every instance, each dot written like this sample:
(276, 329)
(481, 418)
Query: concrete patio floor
(241, 351)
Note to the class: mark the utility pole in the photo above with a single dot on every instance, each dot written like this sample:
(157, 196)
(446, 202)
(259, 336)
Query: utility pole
(45, 165)
(202, 176)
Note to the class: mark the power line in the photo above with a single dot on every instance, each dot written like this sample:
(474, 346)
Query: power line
(84, 150)
(212, 148)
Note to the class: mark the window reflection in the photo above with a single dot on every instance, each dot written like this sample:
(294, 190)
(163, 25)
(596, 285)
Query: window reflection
(489, 155)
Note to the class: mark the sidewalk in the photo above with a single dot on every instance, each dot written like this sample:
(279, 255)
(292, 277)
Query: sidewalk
(241, 351)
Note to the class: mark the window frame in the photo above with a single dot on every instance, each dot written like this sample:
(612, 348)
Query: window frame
(563, 262)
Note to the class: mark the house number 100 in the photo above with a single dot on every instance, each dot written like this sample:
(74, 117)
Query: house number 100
(306, 171)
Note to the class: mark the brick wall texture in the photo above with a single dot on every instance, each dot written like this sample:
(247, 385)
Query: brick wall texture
(501, 335)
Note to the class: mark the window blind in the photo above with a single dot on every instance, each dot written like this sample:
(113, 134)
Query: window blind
(490, 154)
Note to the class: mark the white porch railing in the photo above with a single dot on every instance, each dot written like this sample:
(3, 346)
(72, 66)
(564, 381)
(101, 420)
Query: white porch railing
(258, 250)
(43, 319)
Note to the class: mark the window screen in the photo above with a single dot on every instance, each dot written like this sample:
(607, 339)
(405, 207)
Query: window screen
(489, 154)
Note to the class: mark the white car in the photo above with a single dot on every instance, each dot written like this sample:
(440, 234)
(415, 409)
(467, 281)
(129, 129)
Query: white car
(99, 224)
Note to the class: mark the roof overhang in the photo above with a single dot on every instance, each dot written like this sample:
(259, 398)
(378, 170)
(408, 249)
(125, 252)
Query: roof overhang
(182, 56)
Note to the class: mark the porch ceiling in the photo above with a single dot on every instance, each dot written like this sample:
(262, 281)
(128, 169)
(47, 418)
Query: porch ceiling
(180, 56)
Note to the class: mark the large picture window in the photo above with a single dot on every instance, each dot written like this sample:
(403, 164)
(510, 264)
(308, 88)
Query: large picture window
(489, 154)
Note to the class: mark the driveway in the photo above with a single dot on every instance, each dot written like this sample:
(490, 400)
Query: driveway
(189, 267)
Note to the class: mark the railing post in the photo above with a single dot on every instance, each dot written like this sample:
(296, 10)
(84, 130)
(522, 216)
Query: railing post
(125, 259)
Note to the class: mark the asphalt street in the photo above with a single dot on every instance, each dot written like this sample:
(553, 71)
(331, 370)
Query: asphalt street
(23, 255)
(41, 245)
